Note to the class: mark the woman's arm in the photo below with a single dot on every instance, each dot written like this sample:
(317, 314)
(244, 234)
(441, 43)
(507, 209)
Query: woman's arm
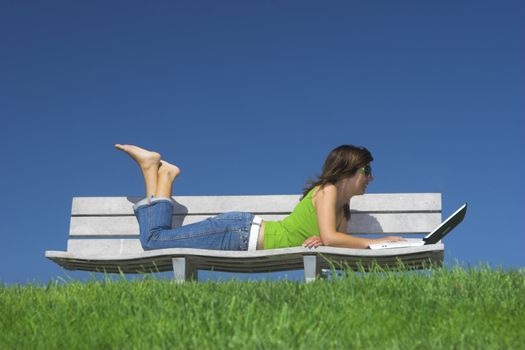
(325, 202)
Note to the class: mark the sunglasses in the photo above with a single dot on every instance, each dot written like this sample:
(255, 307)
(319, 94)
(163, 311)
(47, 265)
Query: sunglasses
(367, 170)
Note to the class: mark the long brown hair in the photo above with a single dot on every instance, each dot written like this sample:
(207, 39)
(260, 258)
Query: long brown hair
(342, 162)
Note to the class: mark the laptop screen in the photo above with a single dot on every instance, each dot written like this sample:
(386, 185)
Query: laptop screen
(446, 226)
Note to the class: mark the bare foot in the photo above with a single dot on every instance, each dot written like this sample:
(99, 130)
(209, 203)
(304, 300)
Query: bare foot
(144, 158)
(170, 170)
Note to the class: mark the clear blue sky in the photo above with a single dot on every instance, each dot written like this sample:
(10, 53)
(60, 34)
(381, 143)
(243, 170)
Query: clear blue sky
(248, 97)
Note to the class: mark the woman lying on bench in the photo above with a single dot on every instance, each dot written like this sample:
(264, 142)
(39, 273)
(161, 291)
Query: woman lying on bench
(320, 218)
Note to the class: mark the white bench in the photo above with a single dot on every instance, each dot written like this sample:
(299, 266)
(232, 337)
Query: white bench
(103, 236)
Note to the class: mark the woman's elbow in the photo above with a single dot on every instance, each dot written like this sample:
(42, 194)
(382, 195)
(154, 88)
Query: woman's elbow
(330, 240)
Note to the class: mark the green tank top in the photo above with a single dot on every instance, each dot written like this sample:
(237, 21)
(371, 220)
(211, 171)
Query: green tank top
(293, 230)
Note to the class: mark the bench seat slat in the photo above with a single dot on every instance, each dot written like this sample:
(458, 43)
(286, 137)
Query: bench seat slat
(138, 253)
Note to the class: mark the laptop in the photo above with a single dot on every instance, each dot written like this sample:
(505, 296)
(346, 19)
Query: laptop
(433, 237)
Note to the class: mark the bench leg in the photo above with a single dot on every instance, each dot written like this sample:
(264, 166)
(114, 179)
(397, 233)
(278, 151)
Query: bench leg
(183, 270)
(311, 268)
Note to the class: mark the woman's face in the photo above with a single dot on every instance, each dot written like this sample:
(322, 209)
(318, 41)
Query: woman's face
(364, 177)
(356, 185)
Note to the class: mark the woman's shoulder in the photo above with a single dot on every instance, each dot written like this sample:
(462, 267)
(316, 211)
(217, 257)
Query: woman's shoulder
(325, 193)
(328, 189)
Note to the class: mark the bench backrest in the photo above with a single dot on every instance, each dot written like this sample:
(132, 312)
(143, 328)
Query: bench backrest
(107, 225)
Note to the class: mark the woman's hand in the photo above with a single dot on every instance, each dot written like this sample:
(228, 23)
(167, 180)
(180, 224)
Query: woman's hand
(312, 242)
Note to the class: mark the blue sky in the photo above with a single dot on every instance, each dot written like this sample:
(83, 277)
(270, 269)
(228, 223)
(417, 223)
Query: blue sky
(248, 97)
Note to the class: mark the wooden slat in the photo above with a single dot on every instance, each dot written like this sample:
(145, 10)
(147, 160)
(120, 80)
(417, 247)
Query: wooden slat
(359, 224)
(397, 202)
(280, 253)
(131, 248)
(379, 223)
(189, 204)
(128, 225)
(257, 204)
(107, 247)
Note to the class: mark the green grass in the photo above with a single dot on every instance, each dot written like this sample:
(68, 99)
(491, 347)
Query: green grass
(447, 308)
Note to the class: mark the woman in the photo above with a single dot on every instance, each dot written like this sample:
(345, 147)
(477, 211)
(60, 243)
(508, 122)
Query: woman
(320, 218)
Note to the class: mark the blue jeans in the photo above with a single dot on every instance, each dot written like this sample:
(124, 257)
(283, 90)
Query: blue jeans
(228, 231)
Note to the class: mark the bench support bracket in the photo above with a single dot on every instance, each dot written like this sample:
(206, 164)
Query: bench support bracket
(312, 268)
(183, 270)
